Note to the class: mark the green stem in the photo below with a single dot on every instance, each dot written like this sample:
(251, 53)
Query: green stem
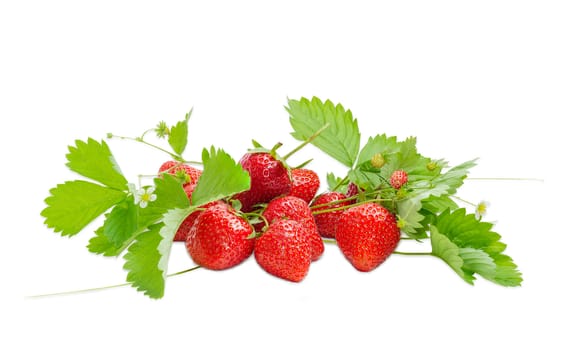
(340, 183)
(330, 210)
(506, 178)
(304, 143)
(412, 253)
(106, 287)
(463, 200)
(329, 240)
(138, 139)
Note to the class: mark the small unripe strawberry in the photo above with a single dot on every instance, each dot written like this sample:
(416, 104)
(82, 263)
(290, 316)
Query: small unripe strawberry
(398, 179)
(377, 161)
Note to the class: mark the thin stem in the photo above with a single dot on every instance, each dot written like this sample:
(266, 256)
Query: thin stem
(138, 139)
(506, 178)
(304, 143)
(340, 183)
(106, 287)
(412, 253)
(329, 240)
(329, 210)
(463, 200)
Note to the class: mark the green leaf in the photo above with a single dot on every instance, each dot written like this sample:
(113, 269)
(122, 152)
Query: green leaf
(147, 258)
(170, 194)
(479, 247)
(74, 204)
(178, 136)
(444, 184)
(340, 140)
(221, 177)
(443, 248)
(95, 161)
(100, 244)
(336, 183)
(121, 223)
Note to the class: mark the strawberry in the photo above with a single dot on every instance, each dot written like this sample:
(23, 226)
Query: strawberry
(218, 239)
(367, 234)
(305, 184)
(283, 250)
(327, 222)
(189, 174)
(269, 178)
(294, 208)
(352, 191)
(398, 179)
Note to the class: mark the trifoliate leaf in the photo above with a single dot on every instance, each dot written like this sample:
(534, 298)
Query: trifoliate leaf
(95, 161)
(170, 194)
(100, 244)
(74, 204)
(478, 246)
(221, 177)
(178, 136)
(340, 140)
(147, 258)
(121, 223)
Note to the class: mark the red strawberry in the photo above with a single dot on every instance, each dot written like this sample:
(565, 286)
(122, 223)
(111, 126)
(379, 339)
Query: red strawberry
(269, 179)
(305, 184)
(283, 250)
(367, 234)
(352, 191)
(398, 179)
(327, 222)
(218, 239)
(294, 208)
(189, 173)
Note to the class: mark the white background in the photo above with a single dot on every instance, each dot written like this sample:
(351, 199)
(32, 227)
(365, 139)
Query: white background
(487, 79)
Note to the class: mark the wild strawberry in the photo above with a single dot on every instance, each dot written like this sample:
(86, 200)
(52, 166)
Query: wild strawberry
(327, 222)
(398, 179)
(367, 234)
(294, 208)
(218, 239)
(283, 250)
(305, 184)
(269, 178)
(352, 191)
(189, 174)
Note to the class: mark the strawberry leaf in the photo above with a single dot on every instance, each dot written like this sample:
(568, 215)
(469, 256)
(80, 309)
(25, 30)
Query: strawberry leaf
(147, 258)
(74, 204)
(170, 194)
(95, 161)
(100, 244)
(442, 185)
(478, 248)
(121, 223)
(340, 140)
(178, 136)
(221, 177)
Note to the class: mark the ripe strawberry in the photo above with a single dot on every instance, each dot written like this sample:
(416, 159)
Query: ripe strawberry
(283, 250)
(367, 234)
(294, 208)
(398, 179)
(327, 222)
(269, 179)
(305, 184)
(218, 239)
(184, 228)
(352, 191)
(189, 173)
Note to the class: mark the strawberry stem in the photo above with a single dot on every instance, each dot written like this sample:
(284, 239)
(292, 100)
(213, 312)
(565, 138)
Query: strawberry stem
(139, 139)
(412, 253)
(304, 143)
(87, 290)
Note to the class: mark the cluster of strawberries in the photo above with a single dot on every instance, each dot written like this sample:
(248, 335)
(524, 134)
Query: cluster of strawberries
(282, 223)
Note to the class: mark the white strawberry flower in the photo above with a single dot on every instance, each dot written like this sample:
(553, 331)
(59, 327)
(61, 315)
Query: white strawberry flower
(145, 195)
(481, 209)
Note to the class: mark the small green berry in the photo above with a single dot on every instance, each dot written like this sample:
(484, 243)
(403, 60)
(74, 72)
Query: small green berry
(377, 161)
